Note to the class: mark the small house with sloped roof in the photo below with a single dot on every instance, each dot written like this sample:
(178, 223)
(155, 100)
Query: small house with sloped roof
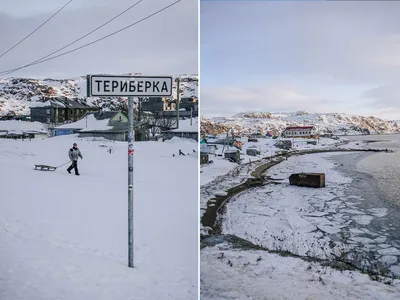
(112, 125)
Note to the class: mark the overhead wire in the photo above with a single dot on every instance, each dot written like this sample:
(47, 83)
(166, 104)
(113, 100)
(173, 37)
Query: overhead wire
(100, 39)
(40, 26)
(73, 42)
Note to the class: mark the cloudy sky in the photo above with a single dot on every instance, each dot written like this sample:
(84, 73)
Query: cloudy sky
(165, 44)
(286, 56)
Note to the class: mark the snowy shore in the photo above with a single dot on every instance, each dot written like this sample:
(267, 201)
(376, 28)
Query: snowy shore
(330, 223)
(228, 274)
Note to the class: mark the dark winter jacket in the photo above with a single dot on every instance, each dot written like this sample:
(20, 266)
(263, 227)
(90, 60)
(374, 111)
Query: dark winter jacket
(74, 154)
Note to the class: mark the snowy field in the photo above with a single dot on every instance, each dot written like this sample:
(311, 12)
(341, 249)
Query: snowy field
(228, 274)
(65, 237)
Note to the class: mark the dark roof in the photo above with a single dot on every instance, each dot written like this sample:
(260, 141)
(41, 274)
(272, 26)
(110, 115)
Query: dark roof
(62, 102)
(74, 104)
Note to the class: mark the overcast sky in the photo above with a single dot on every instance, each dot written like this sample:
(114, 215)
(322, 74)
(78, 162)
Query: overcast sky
(165, 44)
(287, 56)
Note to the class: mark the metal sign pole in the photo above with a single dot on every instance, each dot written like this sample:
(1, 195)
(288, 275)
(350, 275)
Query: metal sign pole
(130, 86)
(130, 184)
(177, 101)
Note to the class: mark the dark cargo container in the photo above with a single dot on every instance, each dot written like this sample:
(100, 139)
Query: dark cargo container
(314, 180)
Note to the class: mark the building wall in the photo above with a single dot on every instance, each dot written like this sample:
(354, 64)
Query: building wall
(153, 104)
(41, 114)
(61, 131)
(57, 115)
(299, 132)
(121, 137)
(188, 135)
(120, 117)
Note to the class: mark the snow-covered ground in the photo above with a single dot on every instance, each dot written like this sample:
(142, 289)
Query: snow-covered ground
(257, 275)
(65, 237)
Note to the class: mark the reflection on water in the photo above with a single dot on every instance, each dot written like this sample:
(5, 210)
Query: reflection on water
(385, 168)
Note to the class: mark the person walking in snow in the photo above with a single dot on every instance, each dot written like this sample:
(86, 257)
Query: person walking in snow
(74, 153)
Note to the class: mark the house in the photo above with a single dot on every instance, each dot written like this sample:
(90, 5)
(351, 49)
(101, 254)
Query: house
(232, 155)
(209, 149)
(283, 144)
(161, 107)
(59, 110)
(187, 129)
(252, 152)
(119, 132)
(189, 103)
(152, 104)
(14, 129)
(300, 132)
(113, 125)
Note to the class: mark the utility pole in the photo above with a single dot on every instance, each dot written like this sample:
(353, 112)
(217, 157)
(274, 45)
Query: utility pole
(177, 101)
(139, 108)
(191, 115)
(130, 184)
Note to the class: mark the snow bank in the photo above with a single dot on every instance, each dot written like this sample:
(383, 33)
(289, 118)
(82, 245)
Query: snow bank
(233, 274)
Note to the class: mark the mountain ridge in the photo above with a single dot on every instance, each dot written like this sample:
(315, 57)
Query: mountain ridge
(335, 123)
(18, 94)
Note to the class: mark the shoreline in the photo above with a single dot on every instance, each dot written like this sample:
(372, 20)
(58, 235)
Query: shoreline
(217, 202)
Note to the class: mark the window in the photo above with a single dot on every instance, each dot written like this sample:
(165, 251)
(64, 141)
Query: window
(120, 118)
(48, 111)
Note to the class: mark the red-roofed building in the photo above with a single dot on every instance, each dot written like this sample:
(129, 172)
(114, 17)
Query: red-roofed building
(300, 132)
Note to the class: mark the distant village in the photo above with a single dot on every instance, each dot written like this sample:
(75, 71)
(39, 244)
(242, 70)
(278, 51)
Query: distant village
(232, 144)
(155, 118)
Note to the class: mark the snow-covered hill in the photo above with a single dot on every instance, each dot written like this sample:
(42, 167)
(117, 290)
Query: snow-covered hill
(18, 94)
(336, 123)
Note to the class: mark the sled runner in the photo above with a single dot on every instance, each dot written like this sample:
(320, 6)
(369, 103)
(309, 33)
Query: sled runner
(45, 168)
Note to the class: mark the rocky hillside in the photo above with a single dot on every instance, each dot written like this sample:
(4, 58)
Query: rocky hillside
(336, 123)
(18, 94)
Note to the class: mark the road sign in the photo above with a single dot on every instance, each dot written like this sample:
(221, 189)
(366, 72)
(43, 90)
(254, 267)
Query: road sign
(128, 86)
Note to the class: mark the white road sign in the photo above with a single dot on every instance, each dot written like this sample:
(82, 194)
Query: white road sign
(128, 86)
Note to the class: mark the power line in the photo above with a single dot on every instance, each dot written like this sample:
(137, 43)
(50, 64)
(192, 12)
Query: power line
(95, 41)
(35, 29)
(75, 41)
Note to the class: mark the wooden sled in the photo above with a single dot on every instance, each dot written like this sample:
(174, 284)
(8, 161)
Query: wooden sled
(45, 168)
